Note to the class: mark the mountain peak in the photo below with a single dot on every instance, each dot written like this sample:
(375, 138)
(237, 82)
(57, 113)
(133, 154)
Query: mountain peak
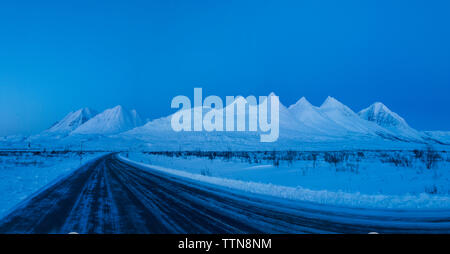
(117, 108)
(331, 102)
(303, 102)
(72, 121)
(110, 121)
(380, 107)
(137, 121)
(382, 115)
(272, 94)
(86, 110)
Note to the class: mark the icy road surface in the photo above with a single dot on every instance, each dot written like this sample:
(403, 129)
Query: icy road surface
(110, 195)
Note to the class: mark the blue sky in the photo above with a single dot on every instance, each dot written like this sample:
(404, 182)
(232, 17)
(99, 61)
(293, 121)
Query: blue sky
(58, 56)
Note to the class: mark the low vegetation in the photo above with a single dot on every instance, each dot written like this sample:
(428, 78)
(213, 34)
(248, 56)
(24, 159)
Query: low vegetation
(340, 160)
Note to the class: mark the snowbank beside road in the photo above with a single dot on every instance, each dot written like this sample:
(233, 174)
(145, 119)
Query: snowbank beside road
(22, 174)
(407, 201)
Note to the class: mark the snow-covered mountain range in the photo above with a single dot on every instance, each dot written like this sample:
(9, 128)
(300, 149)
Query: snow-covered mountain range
(302, 125)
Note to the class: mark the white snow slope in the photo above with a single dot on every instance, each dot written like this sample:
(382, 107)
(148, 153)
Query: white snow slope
(110, 121)
(72, 121)
(344, 117)
(384, 117)
(441, 136)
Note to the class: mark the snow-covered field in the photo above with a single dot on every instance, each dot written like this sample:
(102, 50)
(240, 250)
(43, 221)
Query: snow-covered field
(23, 173)
(384, 179)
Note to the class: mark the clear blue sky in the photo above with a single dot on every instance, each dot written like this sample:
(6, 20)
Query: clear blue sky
(58, 56)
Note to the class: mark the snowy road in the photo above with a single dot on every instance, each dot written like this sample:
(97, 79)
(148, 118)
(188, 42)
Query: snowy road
(112, 196)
